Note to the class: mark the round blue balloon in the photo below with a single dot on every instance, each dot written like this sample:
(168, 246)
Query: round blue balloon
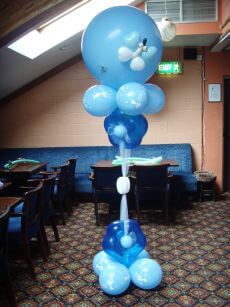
(132, 98)
(146, 273)
(100, 261)
(114, 279)
(156, 99)
(110, 46)
(100, 100)
(143, 254)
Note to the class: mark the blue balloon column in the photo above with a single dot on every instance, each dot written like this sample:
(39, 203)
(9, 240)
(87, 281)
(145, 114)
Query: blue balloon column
(122, 48)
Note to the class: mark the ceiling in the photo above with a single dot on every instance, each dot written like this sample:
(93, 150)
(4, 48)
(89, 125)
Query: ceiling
(17, 71)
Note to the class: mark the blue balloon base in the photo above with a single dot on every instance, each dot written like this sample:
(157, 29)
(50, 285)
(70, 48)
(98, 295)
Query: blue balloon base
(124, 260)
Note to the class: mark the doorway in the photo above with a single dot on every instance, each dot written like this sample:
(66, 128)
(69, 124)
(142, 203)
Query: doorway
(226, 135)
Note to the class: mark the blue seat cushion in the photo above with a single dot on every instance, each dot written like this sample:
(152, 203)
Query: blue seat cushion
(186, 179)
(19, 207)
(83, 183)
(14, 230)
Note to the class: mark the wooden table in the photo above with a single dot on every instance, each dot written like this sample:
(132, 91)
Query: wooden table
(6, 185)
(108, 163)
(21, 172)
(9, 202)
(4, 189)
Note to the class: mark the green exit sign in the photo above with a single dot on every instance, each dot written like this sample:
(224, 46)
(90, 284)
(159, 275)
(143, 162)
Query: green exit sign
(170, 68)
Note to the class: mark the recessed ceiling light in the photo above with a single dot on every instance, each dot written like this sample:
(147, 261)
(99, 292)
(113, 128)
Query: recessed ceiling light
(63, 48)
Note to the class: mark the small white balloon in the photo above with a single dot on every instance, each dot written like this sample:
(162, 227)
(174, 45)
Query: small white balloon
(137, 64)
(123, 185)
(126, 241)
(124, 54)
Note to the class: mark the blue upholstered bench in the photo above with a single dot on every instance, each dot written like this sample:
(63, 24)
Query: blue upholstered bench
(87, 156)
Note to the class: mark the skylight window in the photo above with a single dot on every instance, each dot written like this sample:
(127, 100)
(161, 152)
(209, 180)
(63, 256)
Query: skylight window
(58, 30)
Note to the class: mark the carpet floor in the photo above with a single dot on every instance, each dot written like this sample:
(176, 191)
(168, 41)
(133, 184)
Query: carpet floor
(192, 250)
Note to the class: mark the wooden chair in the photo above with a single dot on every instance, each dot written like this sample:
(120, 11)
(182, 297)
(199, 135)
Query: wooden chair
(151, 185)
(46, 206)
(71, 180)
(4, 268)
(104, 186)
(60, 201)
(25, 224)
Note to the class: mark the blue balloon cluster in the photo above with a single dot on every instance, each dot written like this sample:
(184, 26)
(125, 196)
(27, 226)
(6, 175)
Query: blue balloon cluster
(122, 48)
(124, 259)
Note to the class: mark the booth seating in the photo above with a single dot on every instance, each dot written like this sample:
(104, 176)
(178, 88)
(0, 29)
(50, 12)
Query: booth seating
(184, 180)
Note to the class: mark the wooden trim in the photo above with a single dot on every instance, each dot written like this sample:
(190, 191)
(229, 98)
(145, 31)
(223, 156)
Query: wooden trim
(42, 78)
(37, 20)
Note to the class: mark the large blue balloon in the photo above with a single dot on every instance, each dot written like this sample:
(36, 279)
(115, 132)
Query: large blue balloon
(156, 99)
(119, 29)
(146, 273)
(124, 247)
(114, 279)
(100, 100)
(132, 98)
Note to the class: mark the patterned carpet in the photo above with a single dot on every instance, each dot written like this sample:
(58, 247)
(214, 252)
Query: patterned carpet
(192, 250)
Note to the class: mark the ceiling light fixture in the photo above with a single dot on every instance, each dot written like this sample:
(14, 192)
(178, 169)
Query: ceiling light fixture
(167, 27)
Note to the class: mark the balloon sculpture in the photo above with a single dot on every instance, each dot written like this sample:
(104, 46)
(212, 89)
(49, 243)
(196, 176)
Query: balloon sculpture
(122, 48)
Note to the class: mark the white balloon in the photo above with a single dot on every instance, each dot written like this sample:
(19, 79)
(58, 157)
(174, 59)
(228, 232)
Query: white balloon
(137, 64)
(124, 54)
(126, 241)
(123, 185)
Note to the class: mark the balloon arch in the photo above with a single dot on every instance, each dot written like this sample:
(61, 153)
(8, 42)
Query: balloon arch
(122, 48)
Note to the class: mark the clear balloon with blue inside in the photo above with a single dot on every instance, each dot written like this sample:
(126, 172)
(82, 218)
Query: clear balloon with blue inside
(100, 260)
(115, 279)
(132, 98)
(122, 127)
(124, 240)
(146, 273)
(156, 99)
(100, 100)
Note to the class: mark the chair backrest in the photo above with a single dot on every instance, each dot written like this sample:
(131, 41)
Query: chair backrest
(62, 180)
(104, 178)
(31, 208)
(48, 189)
(72, 166)
(151, 177)
(4, 217)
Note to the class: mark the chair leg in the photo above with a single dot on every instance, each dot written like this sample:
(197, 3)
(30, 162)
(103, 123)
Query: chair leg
(27, 252)
(68, 205)
(96, 213)
(9, 293)
(61, 211)
(45, 240)
(42, 246)
(55, 229)
(166, 206)
(137, 207)
(73, 197)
